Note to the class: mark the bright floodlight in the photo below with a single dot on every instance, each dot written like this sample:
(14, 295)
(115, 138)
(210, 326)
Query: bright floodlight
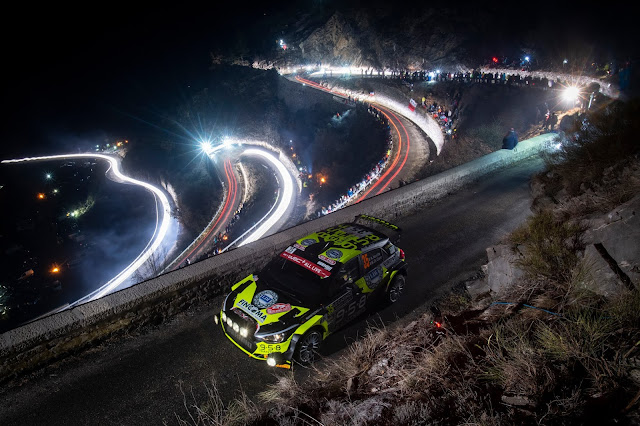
(571, 93)
(206, 147)
(526, 58)
(48, 175)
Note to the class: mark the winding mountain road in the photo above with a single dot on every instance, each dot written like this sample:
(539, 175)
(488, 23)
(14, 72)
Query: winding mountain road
(410, 147)
(138, 379)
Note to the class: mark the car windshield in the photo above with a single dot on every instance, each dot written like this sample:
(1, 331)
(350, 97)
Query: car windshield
(300, 282)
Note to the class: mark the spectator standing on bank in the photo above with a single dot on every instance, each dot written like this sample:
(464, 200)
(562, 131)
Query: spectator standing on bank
(553, 120)
(510, 140)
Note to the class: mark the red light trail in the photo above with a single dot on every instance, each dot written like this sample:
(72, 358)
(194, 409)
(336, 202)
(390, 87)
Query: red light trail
(224, 214)
(398, 153)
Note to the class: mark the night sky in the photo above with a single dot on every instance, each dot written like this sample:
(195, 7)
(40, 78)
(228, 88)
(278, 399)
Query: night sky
(76, 74)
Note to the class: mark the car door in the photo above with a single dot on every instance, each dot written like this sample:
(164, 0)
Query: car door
(347, 301)
(373, 270)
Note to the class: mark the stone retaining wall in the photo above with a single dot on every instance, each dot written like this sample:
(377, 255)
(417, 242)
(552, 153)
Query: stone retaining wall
(56, 336)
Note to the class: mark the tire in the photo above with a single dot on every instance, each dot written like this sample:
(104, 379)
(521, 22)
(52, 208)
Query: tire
(308, 346)
(396, 288)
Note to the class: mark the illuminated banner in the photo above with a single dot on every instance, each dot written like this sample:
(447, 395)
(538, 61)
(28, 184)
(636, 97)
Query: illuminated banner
(306, 264)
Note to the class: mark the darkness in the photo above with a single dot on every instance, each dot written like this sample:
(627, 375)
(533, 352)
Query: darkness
(76, 74)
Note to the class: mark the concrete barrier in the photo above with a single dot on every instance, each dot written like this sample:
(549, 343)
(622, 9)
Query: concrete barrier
(51, 338)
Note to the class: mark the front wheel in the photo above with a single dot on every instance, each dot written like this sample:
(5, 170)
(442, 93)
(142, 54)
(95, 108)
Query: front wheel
(308, 347)
(396, 287)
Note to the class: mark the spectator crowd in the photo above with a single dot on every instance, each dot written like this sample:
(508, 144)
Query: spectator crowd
(354, 191)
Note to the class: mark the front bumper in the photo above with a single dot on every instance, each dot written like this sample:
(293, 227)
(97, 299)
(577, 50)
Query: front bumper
(281, 353)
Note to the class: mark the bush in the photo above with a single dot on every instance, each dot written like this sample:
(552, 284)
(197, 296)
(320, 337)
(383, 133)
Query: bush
(598, 141)
(551, 246)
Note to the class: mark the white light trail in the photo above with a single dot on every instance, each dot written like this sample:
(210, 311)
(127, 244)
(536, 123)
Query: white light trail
(287, 195)
(158, 236)
(424, 121)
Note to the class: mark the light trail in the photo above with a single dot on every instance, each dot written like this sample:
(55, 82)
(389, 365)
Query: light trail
(287, 195)
(157, 237)
(425, 122)
(397, 157)
(232, 183)
(389, 169)
(406, 154)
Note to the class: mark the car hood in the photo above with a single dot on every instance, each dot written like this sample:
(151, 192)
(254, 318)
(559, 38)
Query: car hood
(267, 306)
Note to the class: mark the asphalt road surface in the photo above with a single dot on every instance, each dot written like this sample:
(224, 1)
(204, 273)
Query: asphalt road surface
(136, 380)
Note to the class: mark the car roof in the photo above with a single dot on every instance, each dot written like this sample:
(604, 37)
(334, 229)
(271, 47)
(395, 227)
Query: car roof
(340, 243)
(319, 256)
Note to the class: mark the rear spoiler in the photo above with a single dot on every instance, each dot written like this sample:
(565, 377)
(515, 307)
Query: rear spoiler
(368, 220)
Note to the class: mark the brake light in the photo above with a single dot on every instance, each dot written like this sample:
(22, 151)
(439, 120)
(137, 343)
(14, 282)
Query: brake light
(401, 254)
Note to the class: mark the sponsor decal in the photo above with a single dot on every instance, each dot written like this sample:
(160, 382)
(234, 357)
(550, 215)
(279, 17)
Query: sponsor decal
(290, 249)
(334, 254)
(265, 298)
(391, 260)
(307, 264)
(279, 308)
(253, 311)
(374, 277)
(326, 259)
(347, 237)
(324, 265)
(307, 242)
(299, 246)
(240, 313)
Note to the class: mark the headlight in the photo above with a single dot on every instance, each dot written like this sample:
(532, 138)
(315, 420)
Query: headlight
(274, 338)
(224, 316)
(236, 327)
(244, 332)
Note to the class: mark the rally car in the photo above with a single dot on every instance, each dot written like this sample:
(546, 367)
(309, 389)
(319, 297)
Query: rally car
(315, 286)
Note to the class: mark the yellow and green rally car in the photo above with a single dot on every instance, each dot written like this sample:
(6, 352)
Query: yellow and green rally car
(315, 286)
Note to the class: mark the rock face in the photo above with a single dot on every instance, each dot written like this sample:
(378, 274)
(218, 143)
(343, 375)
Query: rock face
(613, 250)
(501, 269)
(336, 39)
(611, 257)
(382, 38)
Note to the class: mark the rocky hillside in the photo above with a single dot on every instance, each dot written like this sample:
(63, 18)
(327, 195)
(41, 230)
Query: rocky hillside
(385, 34)
(428, 41)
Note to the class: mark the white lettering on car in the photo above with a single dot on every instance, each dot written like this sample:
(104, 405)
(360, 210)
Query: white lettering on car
(324, 265)
(306, 264)
(253, 311)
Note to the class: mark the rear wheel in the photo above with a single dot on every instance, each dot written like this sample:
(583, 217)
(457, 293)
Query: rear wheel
(308, 347)
(396, 288)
